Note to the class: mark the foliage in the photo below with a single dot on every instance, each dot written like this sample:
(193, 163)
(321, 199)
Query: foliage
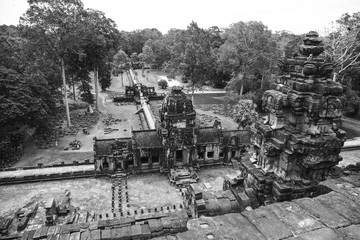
(344, 48)
(25, 99)
(248, 50)
(120, 63)
(86, 94)
(344, 43)
(163, 84)
(104, 76)
(147, 55)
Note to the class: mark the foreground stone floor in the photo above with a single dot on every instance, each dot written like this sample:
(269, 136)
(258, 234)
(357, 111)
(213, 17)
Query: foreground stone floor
(332, 216)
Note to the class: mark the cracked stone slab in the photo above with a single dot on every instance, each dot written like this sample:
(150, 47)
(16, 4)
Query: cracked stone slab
(350, 232)
(344, 188)
(342, 205)
(268, 223)
(296, 217)
(326, 215)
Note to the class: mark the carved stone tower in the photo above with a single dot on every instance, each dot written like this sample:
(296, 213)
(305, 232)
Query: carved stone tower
(299, 142)
(177, 117)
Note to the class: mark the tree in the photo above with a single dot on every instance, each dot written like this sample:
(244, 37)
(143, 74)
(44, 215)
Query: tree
(25, 99)
(101, 44)
(344, 43)
(120, 64)
(163, 84)
(54, 27)
(147, 55)
(248, 48)
(105, 75)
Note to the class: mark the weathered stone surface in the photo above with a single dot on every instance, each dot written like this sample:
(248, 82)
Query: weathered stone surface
(43, 231)
(344, 188)
(85, 235)
(155, 225)
(228, 226)
(64, 236)
(69, 228)
(326, 215)
(297, 218)
(106, 234)
(31, 234)
(116, 233)
(145, 230)
(55, 237)
(351, 232)
(353, 179)
(135, 230)
(126, 231)
(95, 234)
(75, 236)
(321, 234)
(342, 205)
(166, 222)
(268, 224)
(51, 230)
(25, 235)
(37, 234)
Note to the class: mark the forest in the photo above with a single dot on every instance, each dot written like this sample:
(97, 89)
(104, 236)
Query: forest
(58, 45)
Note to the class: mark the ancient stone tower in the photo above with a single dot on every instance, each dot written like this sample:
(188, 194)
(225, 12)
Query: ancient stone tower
(177, 117)
(299, 142)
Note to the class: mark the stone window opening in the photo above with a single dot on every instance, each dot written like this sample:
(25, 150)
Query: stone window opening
(201, 155)
(210, 154)
(144, 160)
(221, 154)
(179, 155)
(233, 153)
(155, 159)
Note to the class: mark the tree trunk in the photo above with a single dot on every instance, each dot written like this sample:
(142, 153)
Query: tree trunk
(73, 86)
(192, 95)
(96, 88)
(242, 79)
(65, 93)
(262, 82)
(334, 77)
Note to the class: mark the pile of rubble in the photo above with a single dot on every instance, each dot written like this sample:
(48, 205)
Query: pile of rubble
(48, 137)
(243, 112)
(110, 130)
(111, 120)
(74, 145)
(205, 120)
(112, 94)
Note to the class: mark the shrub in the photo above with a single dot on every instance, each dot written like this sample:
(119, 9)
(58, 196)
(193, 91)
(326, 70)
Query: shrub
(163, 84)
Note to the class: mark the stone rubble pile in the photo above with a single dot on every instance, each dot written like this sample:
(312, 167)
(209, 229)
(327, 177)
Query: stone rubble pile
(47, 137)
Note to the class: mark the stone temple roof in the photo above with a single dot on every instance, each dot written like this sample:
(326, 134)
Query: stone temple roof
(242, 135)
(103, 147)
(208, 135)
(146, 139)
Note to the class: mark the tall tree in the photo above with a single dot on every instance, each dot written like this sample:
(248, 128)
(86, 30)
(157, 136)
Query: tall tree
(344, 43)
(248, 48)
(53, 25)
(102, 40)
(120, 64)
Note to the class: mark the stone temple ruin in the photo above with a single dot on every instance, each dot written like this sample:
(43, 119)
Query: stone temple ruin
(295, 147)
(299, 142)
(176, 146)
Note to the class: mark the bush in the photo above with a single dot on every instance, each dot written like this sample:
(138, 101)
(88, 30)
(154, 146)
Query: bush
(163, 84)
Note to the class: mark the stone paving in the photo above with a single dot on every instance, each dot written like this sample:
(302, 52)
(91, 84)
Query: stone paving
(331, 216)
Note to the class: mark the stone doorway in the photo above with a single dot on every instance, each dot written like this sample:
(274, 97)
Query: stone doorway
(105, 164)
